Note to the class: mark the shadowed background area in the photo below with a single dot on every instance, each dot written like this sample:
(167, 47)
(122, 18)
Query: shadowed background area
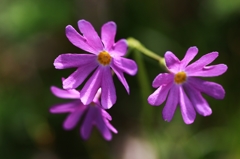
(32, 35)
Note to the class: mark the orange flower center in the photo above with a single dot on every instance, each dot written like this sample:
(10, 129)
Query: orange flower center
(180, 77)
(104, 58)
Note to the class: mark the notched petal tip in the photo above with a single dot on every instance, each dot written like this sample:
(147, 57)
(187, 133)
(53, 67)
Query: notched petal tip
(111, 23)
(172, 62)
(167, 53)
(193, 48)
(207, 113)
(82, 20)
(52, 89)
(214, 53)
(224, 67)
(52, 110)
(57, 63)
(152, 100)
(68, 27)
(189, 122)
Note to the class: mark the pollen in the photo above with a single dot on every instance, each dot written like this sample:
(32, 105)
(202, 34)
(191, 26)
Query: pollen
(104, 58)
(180, 77)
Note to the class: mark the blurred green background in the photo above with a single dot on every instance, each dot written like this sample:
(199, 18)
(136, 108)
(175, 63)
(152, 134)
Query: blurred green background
(32, 35)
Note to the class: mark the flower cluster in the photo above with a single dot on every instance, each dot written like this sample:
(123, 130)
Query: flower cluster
(105, 58)
(94, 114)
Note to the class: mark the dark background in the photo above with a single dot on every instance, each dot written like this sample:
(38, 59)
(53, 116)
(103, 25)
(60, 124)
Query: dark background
(32, 35)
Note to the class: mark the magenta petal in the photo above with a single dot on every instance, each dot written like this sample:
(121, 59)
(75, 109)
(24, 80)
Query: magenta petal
(191, 53)
(209, 71)
(108, 34)
(108, 97)
(171, 104)
(105, 114)
(126, 65)
(68, 94)
(90, 89)
(101, 125)
(119, 48)
(113, 129)
(121, 77)
(203, 61)
(97, 96)
(172, 62)
(65, 107)
(160, 95)
(78, 76)
(186, 107)
(210, 88)
(88, 122)
(162, 78)
(200, 104)
(76, 39)
(91, 35)
(72, 119)
(73, 60)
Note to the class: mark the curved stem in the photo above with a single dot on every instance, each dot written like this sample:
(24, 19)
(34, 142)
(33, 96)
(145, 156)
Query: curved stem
(133, 43)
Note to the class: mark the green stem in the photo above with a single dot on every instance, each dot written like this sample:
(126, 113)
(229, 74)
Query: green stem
(145, 90)
(133, 43)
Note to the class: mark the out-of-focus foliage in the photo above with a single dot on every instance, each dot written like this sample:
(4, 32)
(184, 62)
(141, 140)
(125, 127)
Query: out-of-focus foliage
(32, 35)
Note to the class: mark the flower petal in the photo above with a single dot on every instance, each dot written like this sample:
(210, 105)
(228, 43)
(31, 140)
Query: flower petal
(210, 88)
(172, 62)
(97, 96)
(88, 122)
(91, 35)
(73, 60)
(72, 119)
(126, 65)
(191, 53)
(171, 104)
(160, 95)
(199, 103)
(105, 114)
(203, 61)
(162, 78)
(76, 39)
(108, 34)
(119, 48)
(101, 125)
(68, 94)
(186, 107)
(78, 76)
(121, 77)
(90, 88)
(65, 107)
(109, 125)
(209, 71)
(108, 97)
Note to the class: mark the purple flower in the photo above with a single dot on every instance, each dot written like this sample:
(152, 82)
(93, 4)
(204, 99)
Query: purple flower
(106, 55)
(94, 114)
(182, 85)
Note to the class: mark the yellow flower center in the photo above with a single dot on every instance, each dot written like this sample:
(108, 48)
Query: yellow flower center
(104, 58)
(180, 77)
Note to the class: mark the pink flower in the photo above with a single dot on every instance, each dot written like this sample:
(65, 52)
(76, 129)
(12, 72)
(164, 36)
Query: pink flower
(93, 113)
(182, 85)
(105, 56)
